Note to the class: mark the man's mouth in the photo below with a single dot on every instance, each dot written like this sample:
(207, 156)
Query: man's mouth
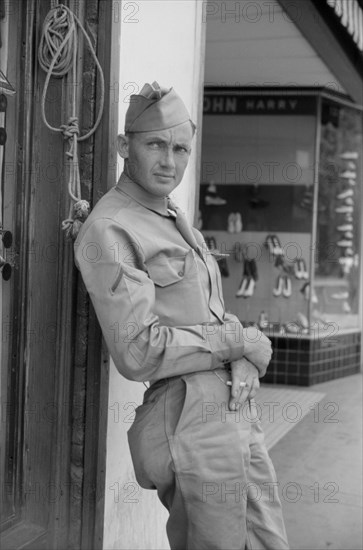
(166, 176)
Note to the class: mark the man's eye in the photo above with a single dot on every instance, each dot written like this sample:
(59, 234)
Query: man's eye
(182, 150)
(154, 145)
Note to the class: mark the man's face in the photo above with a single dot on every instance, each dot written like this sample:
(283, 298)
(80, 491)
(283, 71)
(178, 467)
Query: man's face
(157, 160)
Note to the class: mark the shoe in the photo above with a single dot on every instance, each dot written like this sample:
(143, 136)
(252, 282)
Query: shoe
(223, 267)
(348, 174)
(303, 270)
(348, 252)
(342, 295)
(238, 226)
(211, 244)
(346, 307)
(211, 197)
(242, 289)
(302, 320)
(345, 243)
(277, 291)
(351, 182)
(305, 290)
(348, 218)
(253, 269)
(277, 246)
(286, 291)
(297, 269)
(349, 201)
(349, 155)
(344, 209)
(269, 244)
(348, 235)
(345, 194)
(250, 288)
(314, 298)
(231, 223)
(238, 252)
(345, 227)
(262, 320)
(351, 165)
(214, 201)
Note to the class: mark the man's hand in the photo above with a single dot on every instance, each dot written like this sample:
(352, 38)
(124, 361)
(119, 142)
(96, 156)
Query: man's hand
(257, 348)
(243, 371)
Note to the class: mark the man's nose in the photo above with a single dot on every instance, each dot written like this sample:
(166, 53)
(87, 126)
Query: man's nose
(167, 158)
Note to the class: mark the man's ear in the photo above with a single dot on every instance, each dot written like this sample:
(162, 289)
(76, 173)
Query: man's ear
(123, 146)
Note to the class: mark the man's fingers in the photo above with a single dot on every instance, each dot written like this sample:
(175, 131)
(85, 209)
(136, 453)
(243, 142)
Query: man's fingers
(246, 390)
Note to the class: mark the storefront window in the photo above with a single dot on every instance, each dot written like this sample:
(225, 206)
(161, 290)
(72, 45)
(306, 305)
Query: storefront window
(284, 220)
(337, 259)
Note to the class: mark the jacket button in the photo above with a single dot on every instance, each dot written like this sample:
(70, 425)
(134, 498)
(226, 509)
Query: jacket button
(181, 273)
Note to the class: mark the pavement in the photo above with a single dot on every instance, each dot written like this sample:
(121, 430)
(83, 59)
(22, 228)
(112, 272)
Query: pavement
(319, 468)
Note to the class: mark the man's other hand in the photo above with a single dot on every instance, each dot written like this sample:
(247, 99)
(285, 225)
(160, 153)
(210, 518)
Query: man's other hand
(243, 371)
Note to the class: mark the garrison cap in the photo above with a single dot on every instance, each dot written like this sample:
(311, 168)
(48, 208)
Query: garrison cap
(155, 108)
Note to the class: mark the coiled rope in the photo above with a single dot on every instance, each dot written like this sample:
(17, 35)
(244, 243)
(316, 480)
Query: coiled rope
(57, 55)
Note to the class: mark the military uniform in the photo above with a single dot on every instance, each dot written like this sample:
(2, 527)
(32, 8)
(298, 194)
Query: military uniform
(157, 293)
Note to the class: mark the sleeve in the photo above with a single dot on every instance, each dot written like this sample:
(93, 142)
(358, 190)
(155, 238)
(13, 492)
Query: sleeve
(110, 261)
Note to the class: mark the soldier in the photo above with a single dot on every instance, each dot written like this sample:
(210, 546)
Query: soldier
(157, 293)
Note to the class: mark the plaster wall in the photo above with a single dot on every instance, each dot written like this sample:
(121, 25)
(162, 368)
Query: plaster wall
(160, 41)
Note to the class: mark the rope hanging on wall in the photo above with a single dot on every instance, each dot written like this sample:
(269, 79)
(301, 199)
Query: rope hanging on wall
(57, 55)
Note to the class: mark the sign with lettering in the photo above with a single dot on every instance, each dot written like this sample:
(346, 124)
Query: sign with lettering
(238, 104)
(351, 17)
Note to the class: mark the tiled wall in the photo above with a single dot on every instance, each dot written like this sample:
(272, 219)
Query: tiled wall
(305, 361)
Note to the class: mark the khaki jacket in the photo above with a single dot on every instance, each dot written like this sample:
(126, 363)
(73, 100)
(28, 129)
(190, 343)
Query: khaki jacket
(159, 302)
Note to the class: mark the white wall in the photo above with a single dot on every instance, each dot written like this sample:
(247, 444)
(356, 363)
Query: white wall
(160, 40)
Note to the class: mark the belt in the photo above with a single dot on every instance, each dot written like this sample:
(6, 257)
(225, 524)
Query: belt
(162, 381)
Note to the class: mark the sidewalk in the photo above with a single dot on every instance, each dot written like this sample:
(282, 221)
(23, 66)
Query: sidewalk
(319, 468)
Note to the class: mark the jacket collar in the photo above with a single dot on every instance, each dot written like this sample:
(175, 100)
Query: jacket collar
(139, 194)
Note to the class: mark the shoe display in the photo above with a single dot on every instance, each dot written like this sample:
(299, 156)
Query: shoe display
(212, 198)
(238, 226)
(344, 209)
(345, 194)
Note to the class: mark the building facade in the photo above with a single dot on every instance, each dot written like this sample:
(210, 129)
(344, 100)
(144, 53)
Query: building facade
(283, 76)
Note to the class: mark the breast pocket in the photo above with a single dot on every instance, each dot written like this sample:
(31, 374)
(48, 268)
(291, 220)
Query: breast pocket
(178, 292)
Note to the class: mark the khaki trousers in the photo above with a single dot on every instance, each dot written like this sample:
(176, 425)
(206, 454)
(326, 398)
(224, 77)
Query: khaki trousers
(209, 465)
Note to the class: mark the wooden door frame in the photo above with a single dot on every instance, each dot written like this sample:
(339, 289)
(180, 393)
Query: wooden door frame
(81, 370)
